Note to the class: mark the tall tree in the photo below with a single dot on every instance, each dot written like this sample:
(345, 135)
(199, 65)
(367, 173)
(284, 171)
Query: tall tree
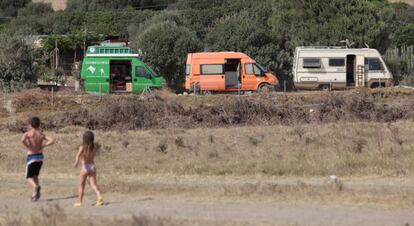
(327, 22)
(165, 46)
(16, 62)
(9, 8)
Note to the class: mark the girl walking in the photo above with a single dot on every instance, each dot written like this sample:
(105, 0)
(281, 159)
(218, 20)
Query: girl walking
(86, 156)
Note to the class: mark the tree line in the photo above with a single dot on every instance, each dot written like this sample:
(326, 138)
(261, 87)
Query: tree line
(166, 30)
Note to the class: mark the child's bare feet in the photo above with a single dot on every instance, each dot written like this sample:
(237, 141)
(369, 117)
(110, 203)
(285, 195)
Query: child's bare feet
(99, 202)
(78, 204)
(37, 193)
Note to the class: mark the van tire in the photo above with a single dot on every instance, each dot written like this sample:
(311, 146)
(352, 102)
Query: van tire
(376, 85)
(325, 87)
(206, 92)
(264, 87)
(194, 88)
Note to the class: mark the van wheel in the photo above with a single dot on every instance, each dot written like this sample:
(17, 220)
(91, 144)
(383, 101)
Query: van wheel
(206, 92)
(325, 88)
(264, 88)
(195, 88)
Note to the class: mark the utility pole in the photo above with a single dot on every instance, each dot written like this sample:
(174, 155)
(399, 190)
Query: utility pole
(84, 41)
(56, 55)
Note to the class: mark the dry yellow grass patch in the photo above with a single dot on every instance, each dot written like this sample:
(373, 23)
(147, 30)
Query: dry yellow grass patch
(344, 149)
(243, 163)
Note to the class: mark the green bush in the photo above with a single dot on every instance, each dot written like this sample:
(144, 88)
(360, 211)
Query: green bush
(165, 46)
(17, 68)
(35, 9)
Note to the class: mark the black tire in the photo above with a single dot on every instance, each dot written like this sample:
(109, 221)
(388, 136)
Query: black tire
(264, 87)
(206, 92)
(195, 88)
(325, 88)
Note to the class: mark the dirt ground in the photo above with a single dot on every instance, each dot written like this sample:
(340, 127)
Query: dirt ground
(198, 209)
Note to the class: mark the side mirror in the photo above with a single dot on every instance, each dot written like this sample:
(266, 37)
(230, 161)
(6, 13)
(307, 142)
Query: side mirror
(148, 76)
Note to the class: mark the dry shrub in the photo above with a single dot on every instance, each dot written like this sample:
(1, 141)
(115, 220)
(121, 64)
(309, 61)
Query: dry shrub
(159, 111)
(54, 215)
(37, 99)
(31, 99)
(359, 144)
(162, 147)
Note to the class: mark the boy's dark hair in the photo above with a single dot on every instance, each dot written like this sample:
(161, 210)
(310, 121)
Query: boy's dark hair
(34, 122)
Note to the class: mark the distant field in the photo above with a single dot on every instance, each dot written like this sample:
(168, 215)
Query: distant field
(411, 2)
(56, 4)
(61, 4)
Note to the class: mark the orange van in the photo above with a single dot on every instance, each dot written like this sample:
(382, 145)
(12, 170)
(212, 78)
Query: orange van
(226, 71)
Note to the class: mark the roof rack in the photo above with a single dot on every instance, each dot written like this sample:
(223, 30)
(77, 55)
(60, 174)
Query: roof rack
(109, 50)
(323, 47)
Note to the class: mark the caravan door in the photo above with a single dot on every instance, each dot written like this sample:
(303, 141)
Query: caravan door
(360, 71)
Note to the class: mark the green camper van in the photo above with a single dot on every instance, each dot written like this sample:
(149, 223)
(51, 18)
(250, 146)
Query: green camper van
(116, 69)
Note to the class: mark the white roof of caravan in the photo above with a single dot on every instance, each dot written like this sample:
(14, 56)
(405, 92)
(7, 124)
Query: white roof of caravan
(332, 48)
(332, 51)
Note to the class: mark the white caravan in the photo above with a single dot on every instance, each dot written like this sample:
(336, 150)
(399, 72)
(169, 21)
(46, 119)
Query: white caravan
(339, 68)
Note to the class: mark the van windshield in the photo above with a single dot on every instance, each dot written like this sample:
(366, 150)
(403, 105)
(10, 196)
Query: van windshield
(152, 71)
(262, 68)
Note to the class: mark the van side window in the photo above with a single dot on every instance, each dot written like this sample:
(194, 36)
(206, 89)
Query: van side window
(140, 71)
(374, 64)
(311, 63)
(336, 62)
(212, 69)
(252, 69)
(249, 69)
(256, 70)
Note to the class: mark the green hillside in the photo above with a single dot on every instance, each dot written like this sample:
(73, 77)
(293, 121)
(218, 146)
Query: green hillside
(165, 30)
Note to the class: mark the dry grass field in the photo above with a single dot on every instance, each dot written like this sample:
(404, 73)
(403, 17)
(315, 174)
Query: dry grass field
(249, 162)
(56, 4)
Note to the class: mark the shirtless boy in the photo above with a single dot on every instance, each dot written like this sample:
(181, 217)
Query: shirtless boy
(35, 141)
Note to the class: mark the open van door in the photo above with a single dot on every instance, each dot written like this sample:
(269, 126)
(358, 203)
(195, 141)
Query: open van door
(95, 76)
(360, 71)
(212, 77)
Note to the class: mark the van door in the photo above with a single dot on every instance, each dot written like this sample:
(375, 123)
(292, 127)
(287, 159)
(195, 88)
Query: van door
(95, 75)
(121, 75)
(249, 80)
(142, 79)
(212, 77)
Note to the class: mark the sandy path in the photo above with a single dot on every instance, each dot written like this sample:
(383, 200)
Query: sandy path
(193, 206)
(250, 212)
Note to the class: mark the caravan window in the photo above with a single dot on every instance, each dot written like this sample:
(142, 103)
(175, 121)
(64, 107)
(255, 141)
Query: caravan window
(374, 64)
(311, 63)
(212, 69)
(336, 62)
(187, 69)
